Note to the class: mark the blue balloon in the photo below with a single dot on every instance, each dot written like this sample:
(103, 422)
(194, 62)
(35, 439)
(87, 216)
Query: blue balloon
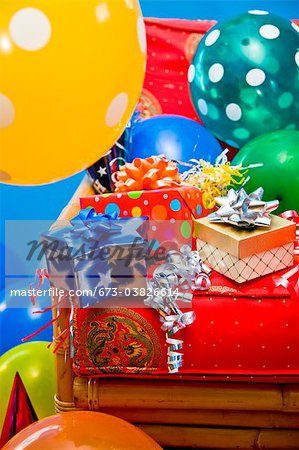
(176, 137)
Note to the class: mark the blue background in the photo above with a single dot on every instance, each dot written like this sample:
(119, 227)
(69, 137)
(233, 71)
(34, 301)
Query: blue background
(45, 202)
(215, 9)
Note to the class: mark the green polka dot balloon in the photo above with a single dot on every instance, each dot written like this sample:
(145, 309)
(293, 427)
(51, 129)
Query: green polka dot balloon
(244, 77)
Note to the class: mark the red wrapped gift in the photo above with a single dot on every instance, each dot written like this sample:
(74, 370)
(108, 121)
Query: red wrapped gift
(239, 331)
(174, 210)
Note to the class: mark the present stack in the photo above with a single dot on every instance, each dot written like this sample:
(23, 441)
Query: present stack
(232, 321)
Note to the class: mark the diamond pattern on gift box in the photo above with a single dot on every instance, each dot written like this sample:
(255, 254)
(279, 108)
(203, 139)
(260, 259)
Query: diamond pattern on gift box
(217, 256)
(261, 267)
(274, 263)
(267, 257)
(233, 271)
(253, 261)
(254, 266)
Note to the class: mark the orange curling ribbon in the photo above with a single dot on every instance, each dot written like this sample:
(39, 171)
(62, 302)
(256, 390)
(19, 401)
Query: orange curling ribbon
(146, 174)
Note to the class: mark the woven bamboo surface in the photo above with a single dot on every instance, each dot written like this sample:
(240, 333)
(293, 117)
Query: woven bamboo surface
(223, 438)
(136, 393)
(204, 417)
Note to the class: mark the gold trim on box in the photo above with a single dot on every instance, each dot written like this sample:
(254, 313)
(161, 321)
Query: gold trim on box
(222, 289)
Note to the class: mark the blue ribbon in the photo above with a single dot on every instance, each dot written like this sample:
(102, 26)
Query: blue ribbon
(91, 226)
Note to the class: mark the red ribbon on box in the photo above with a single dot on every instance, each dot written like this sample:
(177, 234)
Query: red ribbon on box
(293, 274)
(293, 217)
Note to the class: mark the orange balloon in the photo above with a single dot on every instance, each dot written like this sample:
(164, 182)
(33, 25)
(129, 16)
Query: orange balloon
(82, 430)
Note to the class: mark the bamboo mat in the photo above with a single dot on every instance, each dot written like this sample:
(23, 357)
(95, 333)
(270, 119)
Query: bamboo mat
(223, 438)
(167, 394)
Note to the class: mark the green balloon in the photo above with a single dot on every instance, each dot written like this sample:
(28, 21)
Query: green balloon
(36, 366)
(279, 176)
(244, 77)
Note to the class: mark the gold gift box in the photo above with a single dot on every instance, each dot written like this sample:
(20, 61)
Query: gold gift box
(242, 254)
(241, 242)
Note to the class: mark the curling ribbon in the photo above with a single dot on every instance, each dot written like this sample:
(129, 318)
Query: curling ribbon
(175, 281)
(158, 172)
(41, 275)
(155, 172)
(214, 180)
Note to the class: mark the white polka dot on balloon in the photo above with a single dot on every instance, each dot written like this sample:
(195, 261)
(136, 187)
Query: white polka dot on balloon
(141, 34)
(255, 77)
(295, 26)
(117, 109)
(191, 73)
(216, 72)
(212, 37)
(30, 29)
(258, 12)
(202, 106)
(102, 12)
(5, 44)
(7, 111)
(297, 58)
(269, 31)
(233, 111)
(129, 4)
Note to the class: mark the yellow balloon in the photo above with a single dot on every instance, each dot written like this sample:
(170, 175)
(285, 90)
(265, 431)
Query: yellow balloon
(71, 72)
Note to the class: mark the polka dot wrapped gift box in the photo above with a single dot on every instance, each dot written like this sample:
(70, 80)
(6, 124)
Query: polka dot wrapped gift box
(158, 194)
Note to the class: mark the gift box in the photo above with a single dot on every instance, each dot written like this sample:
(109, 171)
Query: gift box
(171, 211)
(246, 330)
(245, 254)
(95, 254)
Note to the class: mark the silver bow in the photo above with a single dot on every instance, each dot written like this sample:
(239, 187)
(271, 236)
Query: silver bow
(172, 282)
(243, 210)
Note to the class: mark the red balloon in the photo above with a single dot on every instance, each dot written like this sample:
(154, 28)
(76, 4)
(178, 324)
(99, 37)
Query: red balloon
(82, 430)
